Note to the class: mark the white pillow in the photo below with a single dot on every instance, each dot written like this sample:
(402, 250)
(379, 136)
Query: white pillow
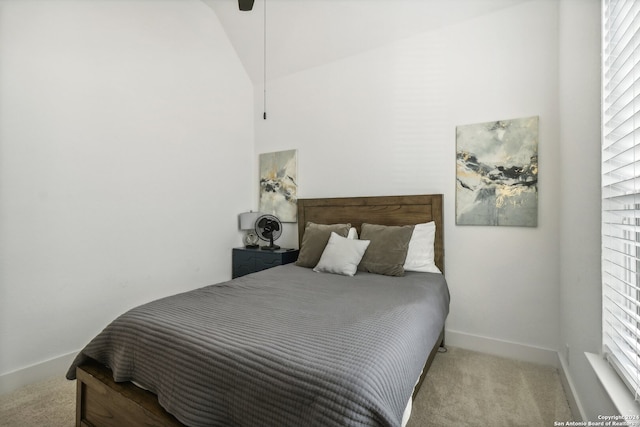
(341, 255)
(353, 233)
(420, 256)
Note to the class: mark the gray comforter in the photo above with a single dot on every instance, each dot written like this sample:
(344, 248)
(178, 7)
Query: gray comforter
(282, 347)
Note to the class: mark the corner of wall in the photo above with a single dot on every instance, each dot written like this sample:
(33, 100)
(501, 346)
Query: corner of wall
(570, 390)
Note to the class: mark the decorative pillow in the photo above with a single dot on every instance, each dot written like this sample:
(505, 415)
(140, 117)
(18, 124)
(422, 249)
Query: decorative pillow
(341, 255)
(420, 256)
(315, 239)
(353, 233)
(388, 249)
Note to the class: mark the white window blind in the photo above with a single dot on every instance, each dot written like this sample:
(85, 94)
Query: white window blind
(621, 189)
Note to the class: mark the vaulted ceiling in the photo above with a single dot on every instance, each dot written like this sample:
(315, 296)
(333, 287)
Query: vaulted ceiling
(305, 33)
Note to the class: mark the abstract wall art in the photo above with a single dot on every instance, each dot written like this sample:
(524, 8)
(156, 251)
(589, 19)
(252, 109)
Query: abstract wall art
(497, 173)
(279, 184)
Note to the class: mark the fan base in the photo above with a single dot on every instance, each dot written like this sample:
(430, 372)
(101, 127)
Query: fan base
(251, 246)
(270, 248)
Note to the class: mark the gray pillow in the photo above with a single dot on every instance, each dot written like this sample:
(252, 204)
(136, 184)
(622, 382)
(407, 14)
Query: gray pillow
(388, 248)
(315, 239)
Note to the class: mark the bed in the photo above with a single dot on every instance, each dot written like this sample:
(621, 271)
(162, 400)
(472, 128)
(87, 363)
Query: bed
(285, 346)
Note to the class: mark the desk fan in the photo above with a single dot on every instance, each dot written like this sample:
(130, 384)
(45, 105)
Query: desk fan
(269, 228)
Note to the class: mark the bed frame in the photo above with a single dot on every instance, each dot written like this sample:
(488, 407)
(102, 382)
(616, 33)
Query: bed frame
(101, 402)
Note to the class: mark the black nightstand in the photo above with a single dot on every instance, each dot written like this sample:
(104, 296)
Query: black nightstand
(247, 261)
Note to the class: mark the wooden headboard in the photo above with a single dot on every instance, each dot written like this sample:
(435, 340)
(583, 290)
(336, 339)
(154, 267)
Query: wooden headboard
(385, 210)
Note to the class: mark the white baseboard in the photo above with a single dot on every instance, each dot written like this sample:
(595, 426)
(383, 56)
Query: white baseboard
(577, 411)
(512, 350)
(57, 366)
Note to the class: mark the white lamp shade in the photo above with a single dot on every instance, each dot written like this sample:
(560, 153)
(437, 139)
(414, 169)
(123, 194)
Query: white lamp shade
(247, 220)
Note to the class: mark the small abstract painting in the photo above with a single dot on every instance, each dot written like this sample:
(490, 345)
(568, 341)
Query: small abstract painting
(279, 184)
(497, 173)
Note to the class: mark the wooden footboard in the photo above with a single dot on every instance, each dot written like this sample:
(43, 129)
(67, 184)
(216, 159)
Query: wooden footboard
(102, 402)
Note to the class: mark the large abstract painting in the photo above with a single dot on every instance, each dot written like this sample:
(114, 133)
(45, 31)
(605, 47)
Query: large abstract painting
(497, 173)
(279, 185)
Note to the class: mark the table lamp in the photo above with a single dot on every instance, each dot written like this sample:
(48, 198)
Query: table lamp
(247, 221)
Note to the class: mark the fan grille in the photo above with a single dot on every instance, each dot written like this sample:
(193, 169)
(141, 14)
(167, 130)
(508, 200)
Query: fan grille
(269, 228)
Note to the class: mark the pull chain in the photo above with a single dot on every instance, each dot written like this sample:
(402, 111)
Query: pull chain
(264, 65)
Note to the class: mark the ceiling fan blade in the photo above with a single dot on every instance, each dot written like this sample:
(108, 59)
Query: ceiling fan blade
(245, 5)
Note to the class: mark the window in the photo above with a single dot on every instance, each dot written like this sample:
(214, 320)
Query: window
(621, 188)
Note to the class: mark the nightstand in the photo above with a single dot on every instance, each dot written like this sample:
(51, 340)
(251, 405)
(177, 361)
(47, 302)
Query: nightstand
(247, 261)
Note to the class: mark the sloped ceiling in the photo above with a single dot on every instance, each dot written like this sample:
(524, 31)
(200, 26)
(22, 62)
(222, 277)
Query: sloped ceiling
(305, 33)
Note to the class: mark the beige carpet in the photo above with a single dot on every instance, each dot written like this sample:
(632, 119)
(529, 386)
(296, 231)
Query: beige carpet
(465, 388)
(462, 388)
(50, 403)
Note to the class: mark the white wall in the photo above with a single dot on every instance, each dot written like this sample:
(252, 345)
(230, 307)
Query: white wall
(383, 123)
(122, 128)
(581, 289)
